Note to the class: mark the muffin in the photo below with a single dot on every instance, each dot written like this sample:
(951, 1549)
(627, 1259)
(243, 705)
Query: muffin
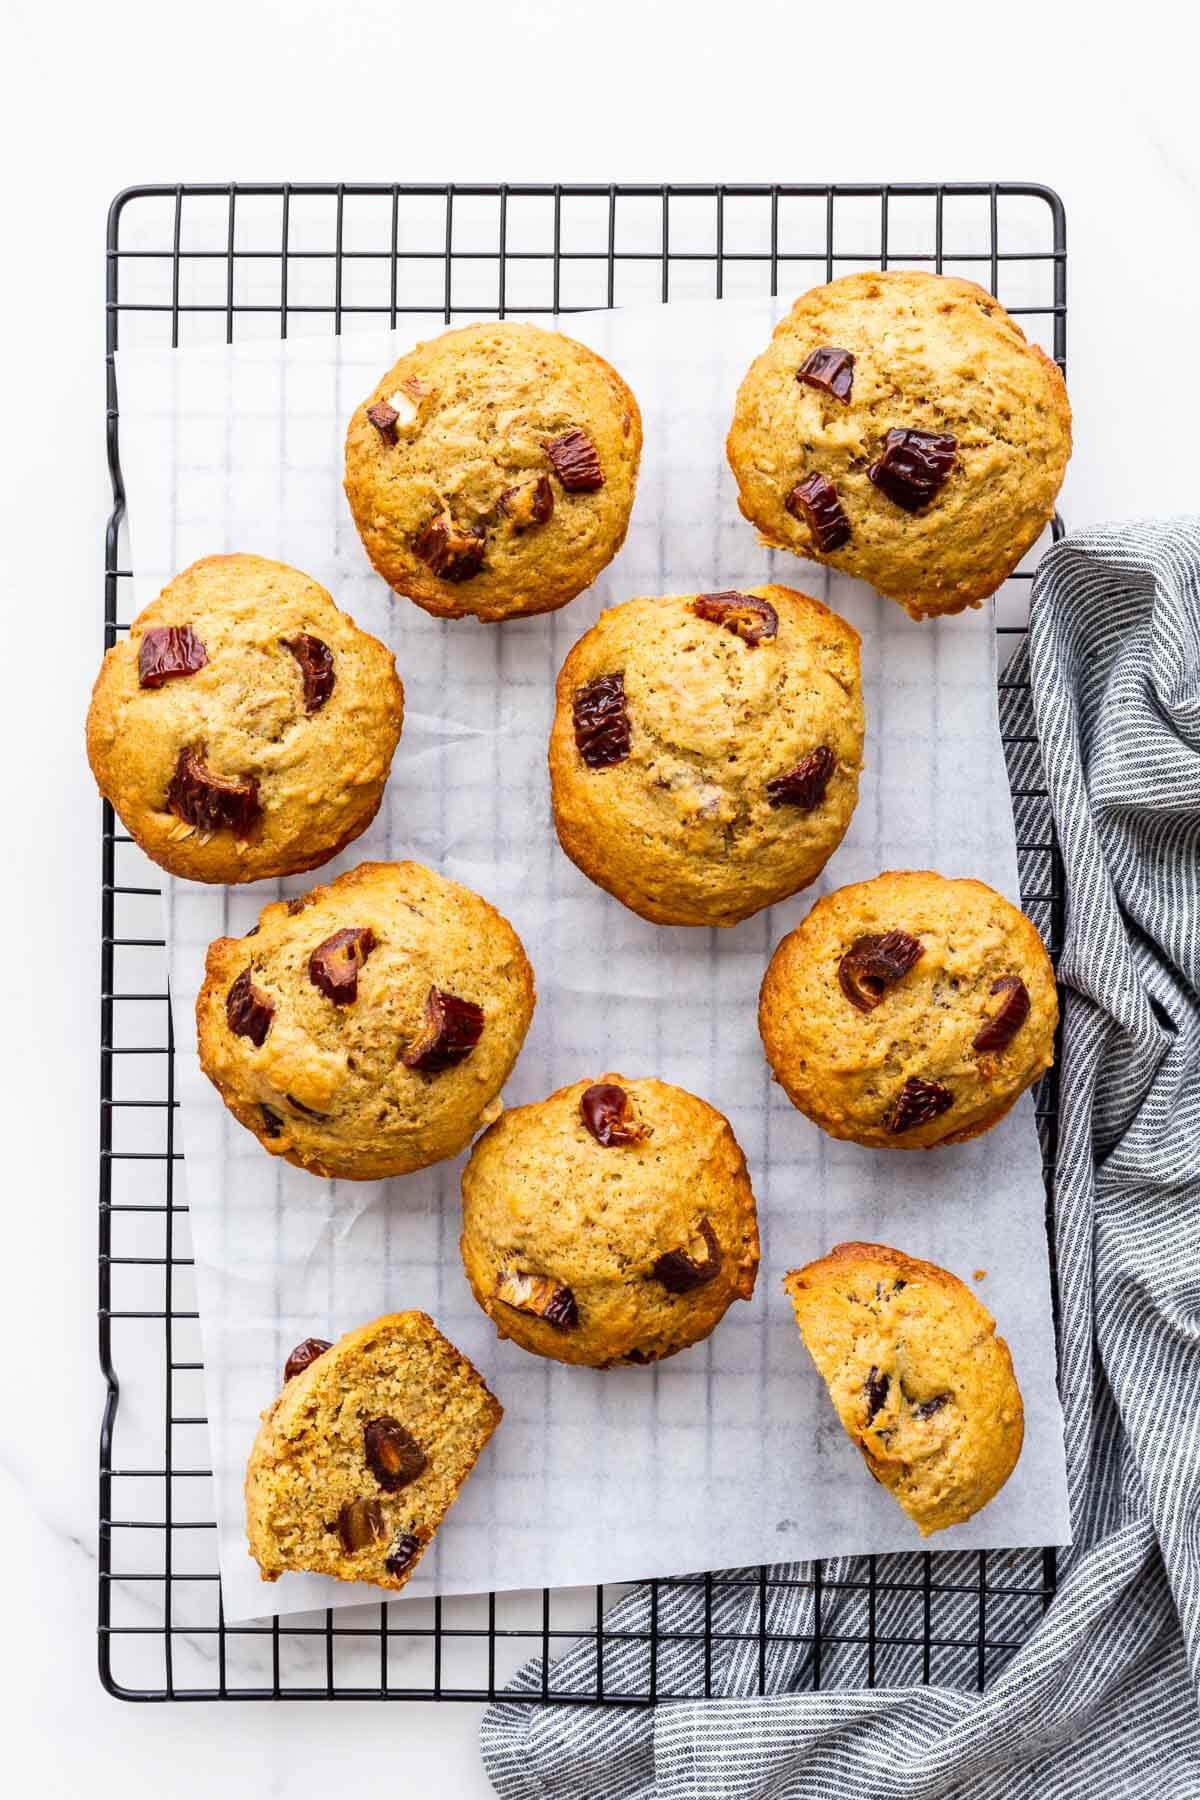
(492, 470)
(920, 1380)
(366, 1029)
(705, 752)
(909, 1011)
(612, 1223)
(245, 728)
(363, 1454)
(899, 428)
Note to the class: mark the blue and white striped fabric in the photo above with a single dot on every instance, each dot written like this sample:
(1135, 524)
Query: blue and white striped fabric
(1102, 1697)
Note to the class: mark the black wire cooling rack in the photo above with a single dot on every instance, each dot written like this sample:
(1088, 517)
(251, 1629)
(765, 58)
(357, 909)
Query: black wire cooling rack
(203, 264)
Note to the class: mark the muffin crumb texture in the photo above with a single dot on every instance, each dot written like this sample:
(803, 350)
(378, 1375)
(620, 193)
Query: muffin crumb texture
(920, 1381)
(359, 1459)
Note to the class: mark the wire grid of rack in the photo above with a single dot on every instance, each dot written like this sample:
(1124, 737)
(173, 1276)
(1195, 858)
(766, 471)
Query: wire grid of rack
(203, 264)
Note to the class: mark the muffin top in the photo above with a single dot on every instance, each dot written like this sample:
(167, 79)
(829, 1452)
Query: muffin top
(613, 1222)
(920, 1380)
(909, 1011)
(900, 428)
(366, 1029)
(245, 728)
(492, 470)
(705, 752)
(363, 1453)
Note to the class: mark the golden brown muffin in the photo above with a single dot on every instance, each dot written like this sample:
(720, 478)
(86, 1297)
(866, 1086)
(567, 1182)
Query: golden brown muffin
(899, 427)
(705, 752)
(613, 1222)
(492, 470)
(366, 1029)
(909, 1011)
(245, 728)
(920, 1380)
(363, 1454)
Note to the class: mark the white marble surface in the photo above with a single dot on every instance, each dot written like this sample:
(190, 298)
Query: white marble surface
(634, 90)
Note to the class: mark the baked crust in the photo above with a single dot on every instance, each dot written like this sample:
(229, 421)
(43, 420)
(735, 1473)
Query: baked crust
(320, 775)
(485, 399)
(327, 1089)
(683, 831)
(933, 354)
(845, 1068)
(542, 1197)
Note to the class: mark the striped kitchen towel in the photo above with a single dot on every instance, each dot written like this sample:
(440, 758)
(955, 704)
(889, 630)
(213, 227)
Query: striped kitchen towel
(1101, 1697)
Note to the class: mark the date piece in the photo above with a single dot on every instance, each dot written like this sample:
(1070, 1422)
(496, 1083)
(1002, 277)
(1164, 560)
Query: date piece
(451, 1030)
(167, 651)
(805, 785)
(680, 1272)
(815, 502)
(913, 466)
(873, 963)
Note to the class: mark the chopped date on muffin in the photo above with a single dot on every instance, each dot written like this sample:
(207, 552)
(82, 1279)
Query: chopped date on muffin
(921, 1383)
(913, 466)
(393, 1454)
(363, 1507)
(608, 1115)
(540, 1295)
(705, 751)
(523, 443)
(804, 786)
(932, 438)
(451, 1029)
(383, 416)
(850, 994)
(247, 705)
(919, 1102)
(747, 616)
(628, 1252)
(249, 1012)
(680, 1271)
(305, 1353)
(529, 503)
(576, 461)
(815, 500)
(212, 802)
(335, 1047)
(873, 963)
(453, 553)
(601, 721)
(829, 369)
(316, 668)
(1010, 1015)
(334, 964)
(168, 651)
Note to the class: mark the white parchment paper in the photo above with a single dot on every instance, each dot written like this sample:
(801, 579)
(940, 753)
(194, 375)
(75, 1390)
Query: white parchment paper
(729, 1453)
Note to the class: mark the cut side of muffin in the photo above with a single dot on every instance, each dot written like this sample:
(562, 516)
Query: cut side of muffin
(361, 1457)
(919, 1379)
